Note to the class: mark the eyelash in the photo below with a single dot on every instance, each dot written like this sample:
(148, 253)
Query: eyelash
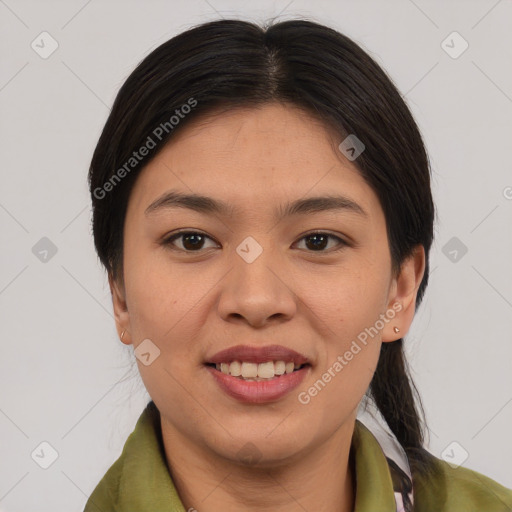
(169, 241)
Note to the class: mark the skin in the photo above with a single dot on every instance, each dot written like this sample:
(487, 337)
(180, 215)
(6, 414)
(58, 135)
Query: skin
(192, 305)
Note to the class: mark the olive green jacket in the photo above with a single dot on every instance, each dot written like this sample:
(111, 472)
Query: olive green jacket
(140, 481)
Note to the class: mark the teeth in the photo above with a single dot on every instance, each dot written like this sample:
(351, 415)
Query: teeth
(235, 369)
(266, 370)
(254, 371)
(279, 367)
(249, 370)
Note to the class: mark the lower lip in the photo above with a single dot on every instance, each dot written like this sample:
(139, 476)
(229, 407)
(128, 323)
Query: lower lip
(257, 392)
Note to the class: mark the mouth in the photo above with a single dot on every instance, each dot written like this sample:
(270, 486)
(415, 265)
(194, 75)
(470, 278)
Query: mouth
(257, 363)
(258, 374)
(248, 371)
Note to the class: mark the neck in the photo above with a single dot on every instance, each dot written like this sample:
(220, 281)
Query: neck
(321, 479)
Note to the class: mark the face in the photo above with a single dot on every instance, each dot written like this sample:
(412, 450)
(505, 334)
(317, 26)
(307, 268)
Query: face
(256, 273)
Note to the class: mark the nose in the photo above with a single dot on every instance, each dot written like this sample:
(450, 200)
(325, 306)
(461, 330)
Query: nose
(257, 293)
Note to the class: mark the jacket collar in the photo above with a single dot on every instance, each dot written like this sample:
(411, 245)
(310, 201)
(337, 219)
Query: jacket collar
(140, 480)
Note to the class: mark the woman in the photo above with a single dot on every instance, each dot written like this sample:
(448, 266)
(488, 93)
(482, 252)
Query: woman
(262, 205)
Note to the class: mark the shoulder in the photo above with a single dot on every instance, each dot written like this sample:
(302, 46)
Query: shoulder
(443, 487)
(125, 480)
(105, 495)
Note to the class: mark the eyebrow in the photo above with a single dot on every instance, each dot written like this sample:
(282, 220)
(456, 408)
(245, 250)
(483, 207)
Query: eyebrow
(204, 204)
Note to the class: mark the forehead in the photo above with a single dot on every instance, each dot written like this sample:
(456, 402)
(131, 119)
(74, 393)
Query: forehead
(268, 132)
(254, 156)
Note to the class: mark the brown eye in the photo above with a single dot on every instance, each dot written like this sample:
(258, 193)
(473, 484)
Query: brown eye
(189, 241)
(318, 242)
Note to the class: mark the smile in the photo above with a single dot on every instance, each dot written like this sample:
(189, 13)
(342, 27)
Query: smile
(256, 372)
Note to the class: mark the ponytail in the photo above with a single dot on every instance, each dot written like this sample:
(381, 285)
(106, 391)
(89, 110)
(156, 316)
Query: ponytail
(395, 395)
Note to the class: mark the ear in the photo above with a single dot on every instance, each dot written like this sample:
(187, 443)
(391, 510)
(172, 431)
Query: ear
(121, 314)
(402, 295)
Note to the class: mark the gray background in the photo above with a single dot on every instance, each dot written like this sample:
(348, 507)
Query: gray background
(65, 377)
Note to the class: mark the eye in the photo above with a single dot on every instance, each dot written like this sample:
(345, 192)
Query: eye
(194, 241)
(319, 241)
(189, 241)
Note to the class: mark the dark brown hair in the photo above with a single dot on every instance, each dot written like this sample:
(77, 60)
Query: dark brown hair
(230, 63)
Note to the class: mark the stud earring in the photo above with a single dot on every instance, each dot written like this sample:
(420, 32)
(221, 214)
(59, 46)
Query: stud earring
(396, 329)
(122, 334)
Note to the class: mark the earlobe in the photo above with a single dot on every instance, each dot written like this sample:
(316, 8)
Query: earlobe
(121, 314)
(402, 300)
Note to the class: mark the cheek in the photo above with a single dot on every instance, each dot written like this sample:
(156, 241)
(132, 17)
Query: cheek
(345, 314)
(347, 307)
(162, 298)
(346, 300)
(164, 308)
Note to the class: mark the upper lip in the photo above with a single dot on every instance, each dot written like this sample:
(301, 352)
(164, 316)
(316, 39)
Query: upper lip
(246, 353)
